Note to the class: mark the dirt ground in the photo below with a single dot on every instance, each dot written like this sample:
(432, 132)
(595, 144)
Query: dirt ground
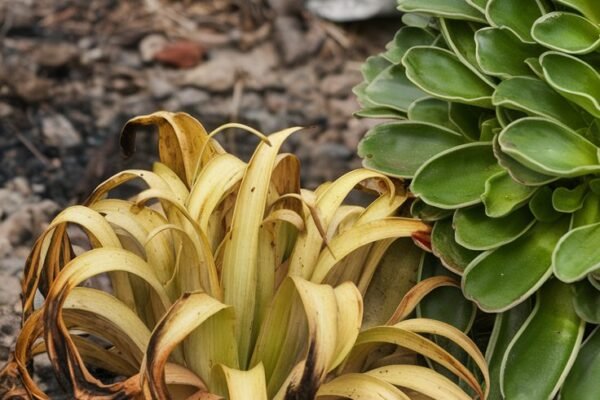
(72, 72)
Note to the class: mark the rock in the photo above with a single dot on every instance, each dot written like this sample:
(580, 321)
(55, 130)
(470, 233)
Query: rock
(160, 87)
(54, 55)
(150, 45)
(58, 131)
(10, 288)
(190, 96)
(180, 54)
(5, 110)
(31, 88)
(293, 43)
(12, 265)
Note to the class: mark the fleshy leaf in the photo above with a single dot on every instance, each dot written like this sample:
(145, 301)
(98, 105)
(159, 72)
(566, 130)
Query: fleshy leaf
(569, 200)
(421, 210)
(586, 300)
(392, 89)
(582, 383)
(400, 148)
(589, 8)
(564, 153)
(476, 231)
(574, 79)
(589, 213)
(503, 194)
(536, 97)
(405, 38)
(457, 9)
(577, 253)
(466, 118)
(499, 279)
(501, 53)
(516, 15)
(518, 171)
(541, 205)
(432, 110)
(373, 66)
(553, 329)
(453, 256)
(467, 167)
(566, 32)
(441, 74)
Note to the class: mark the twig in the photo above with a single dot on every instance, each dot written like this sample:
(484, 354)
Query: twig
(31, 147)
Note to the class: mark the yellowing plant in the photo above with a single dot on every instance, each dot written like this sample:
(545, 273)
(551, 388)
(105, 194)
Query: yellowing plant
(230, 281)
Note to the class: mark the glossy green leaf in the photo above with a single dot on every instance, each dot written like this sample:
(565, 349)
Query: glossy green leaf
(506, 326)
(506, 116)
(577, 253)
(404, 39)
(456, 178)
(586, 300)
(503, 194)
(568, 200)
(440, 73)
(459, 36)
(392, 89)
(518, 171)
(541, 354)
(516, 15)
(536, 97)
(476, 231)
(574, 79)
(499, 279)
(452, 255)
(589, 8)
(380, 112)
(589, 213)
(501, 53)
(466, 118)
(541, 206)
(400, 148)
(421, 210)
(432, 110)
(417, 20)
(457, 9)
(566, 32)
(478, 4)
(373, 66)
(564, 153)
(489, 128)
(582, 383)
(535, 66)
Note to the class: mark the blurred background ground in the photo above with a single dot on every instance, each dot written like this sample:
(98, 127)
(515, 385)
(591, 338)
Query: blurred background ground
(72, 72)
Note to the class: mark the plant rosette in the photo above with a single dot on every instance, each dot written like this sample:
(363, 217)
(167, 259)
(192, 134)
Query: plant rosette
(492, 110)
(230, 281)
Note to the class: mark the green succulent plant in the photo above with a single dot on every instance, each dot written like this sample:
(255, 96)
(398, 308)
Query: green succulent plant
(493, 113)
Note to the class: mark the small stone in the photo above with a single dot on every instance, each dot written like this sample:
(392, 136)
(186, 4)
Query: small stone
(180, 54)
(160, 88)
(150, 45)
(5, 110)
(190, 96)
(58, 131)
(10, 288)
(55, 55)
(340, 85)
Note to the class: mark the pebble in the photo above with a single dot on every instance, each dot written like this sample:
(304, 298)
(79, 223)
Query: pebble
(58, 131)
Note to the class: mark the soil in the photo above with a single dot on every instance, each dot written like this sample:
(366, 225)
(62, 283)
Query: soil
(73, 72)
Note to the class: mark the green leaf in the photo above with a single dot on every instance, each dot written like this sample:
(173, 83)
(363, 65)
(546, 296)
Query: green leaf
(404, 39)
(440, 73)
(541, 206)
(516, 15)
(506, 116)
(582, 383)
(380, 112)
(586, 300)
(459, 36)
(589, 8)
(489, 128)
(566, 32)
(506, 326)
(478, 4)
(574, 79)
(466, 118)
(476, 231)
(536, 97)
(400, 148)
(501, 53)
(499, 279)
(421, 210)
(589, 213)
(535, 66)
(373, 66)
(457, 9)
(432, 110)
(554, 330)
(503, 194)
(564, 153)
(456, 177)
(568, 200)
(577, 253)
(392, 89)
(453, 256)
(518, 171)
